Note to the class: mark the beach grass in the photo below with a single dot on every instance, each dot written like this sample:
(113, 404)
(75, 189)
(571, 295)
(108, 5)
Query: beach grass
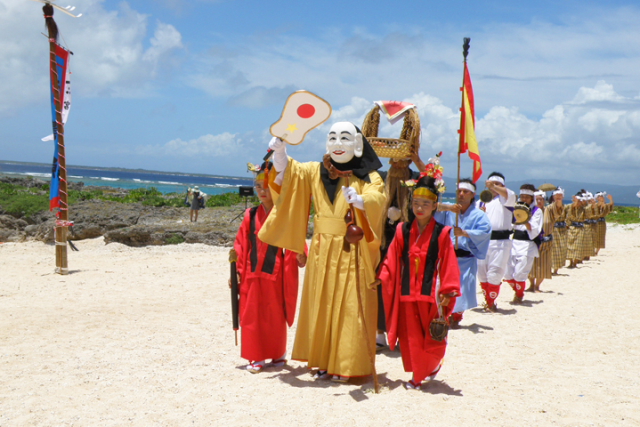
(624, 215)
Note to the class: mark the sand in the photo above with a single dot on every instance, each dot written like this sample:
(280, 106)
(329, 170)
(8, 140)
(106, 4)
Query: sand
(142, 336)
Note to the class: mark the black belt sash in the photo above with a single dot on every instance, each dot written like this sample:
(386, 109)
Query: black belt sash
(601, 219)
(461, 253)
(523, 235)
(270, 260)
(500, 234)
(560, 224)
(430, 265)
(577, 224)
(589, 221)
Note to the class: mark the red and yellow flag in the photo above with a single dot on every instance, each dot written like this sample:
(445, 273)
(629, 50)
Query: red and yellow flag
(468, 141)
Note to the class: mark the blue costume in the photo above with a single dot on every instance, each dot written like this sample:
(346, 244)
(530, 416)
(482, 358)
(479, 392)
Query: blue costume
(476, 223)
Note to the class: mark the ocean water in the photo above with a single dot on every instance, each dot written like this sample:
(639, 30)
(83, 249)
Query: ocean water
(130, 178)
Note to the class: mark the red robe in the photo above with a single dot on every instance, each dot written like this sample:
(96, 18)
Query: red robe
(408, 316)
(268, 291)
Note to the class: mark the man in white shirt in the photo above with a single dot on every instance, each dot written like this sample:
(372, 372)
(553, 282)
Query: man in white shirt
(525, 245)
(500, 212)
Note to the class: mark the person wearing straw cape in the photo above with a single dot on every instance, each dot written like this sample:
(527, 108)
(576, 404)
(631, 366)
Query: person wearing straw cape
(338, 309)
(541, 268)
(268, 284)
(558, 216)
(474, 235)
(420, 282)
(603, 209)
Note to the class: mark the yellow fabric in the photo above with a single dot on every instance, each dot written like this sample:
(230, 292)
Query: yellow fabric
(470, 136)
(330, 335)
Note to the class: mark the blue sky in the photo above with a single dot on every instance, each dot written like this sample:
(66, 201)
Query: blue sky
(193, 86)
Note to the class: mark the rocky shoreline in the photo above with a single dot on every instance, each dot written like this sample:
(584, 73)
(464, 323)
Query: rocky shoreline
(132, 224)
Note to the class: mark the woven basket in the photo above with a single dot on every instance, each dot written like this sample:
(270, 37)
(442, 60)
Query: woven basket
(397, 148)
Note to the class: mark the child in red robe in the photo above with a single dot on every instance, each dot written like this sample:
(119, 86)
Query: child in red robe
(420, 281)
(268, 284)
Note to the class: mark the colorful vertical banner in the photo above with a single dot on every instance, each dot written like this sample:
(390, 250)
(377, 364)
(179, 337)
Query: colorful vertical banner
(468, 141)
(58, 73)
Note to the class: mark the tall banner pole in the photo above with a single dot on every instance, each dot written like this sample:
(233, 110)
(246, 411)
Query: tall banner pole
(62, 220)
(465, 52)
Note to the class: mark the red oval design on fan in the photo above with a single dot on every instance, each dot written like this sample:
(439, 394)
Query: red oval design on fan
(306, 110)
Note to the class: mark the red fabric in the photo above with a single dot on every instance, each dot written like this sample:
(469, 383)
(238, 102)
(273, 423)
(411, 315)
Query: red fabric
(408, 316)
(457, 316)
(518, 288)
(267, 301)
(490, 292)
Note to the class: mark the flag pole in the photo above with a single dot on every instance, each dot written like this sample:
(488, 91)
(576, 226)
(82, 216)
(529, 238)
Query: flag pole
(465, 52)
(62, 220)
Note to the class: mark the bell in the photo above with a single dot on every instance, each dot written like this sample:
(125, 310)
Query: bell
(486, 196)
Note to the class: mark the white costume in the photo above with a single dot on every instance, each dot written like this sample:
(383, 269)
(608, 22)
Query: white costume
(523, 252)
(492, 268)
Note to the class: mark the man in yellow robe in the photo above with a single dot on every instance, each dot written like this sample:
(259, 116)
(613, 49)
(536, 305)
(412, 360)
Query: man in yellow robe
(330, 334)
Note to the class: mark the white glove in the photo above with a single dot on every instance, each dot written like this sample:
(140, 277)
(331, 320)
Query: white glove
(276, 144)
(353, 198)
(394, 214)
(279, 157)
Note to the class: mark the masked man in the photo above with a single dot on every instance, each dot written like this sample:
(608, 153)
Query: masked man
(500, 212)
(474, 235)
(338, 310)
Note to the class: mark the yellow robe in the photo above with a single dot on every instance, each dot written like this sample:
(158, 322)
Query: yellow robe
(330, 335)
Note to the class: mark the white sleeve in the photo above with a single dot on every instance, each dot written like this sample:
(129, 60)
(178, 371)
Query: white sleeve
(510, 201)
(536, 224)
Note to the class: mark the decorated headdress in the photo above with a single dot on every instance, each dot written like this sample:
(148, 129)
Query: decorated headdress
(430, 179)
(261, 173)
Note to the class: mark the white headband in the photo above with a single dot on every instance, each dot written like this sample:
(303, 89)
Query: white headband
(559, 191)
(602, 193)
(496, 178)
(539, 193)
(527, 192)
(467, 186)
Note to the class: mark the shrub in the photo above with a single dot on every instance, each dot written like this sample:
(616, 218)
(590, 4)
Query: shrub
(175, 239)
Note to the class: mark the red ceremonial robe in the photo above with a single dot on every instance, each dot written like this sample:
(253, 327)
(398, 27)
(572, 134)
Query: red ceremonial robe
(268, 291)
(409, 309)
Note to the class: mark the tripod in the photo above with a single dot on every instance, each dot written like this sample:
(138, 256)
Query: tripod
(244, 192)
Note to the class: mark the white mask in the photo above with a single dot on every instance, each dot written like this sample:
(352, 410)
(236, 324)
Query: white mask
(344, 142)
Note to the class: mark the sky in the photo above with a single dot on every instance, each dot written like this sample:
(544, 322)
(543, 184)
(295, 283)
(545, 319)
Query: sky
(194, 85)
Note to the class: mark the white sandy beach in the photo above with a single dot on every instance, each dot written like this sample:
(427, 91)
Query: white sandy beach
(142, 336)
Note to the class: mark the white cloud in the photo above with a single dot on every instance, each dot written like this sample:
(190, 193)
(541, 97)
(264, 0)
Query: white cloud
(111, 56)
(223, 145)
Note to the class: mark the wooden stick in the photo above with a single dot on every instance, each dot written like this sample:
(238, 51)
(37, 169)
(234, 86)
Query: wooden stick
(372, 355)
(63, 214)
(465, 52)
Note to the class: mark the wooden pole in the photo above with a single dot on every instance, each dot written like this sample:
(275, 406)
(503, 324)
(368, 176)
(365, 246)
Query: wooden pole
(465, 52)
(63, 214)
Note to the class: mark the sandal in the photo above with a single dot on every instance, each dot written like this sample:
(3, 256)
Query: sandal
(320, 375)
(255, 367)
(411, 385)
(339, 379)
(278, 362)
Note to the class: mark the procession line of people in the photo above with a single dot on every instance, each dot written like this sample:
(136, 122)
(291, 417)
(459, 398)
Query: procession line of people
(387, 258)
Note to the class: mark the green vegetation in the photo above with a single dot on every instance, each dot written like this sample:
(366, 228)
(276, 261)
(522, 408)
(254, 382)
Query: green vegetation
(175, 239)
(23, 201)
(624, 215)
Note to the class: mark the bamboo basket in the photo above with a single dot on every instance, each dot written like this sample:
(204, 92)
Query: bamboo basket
(396, 148)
